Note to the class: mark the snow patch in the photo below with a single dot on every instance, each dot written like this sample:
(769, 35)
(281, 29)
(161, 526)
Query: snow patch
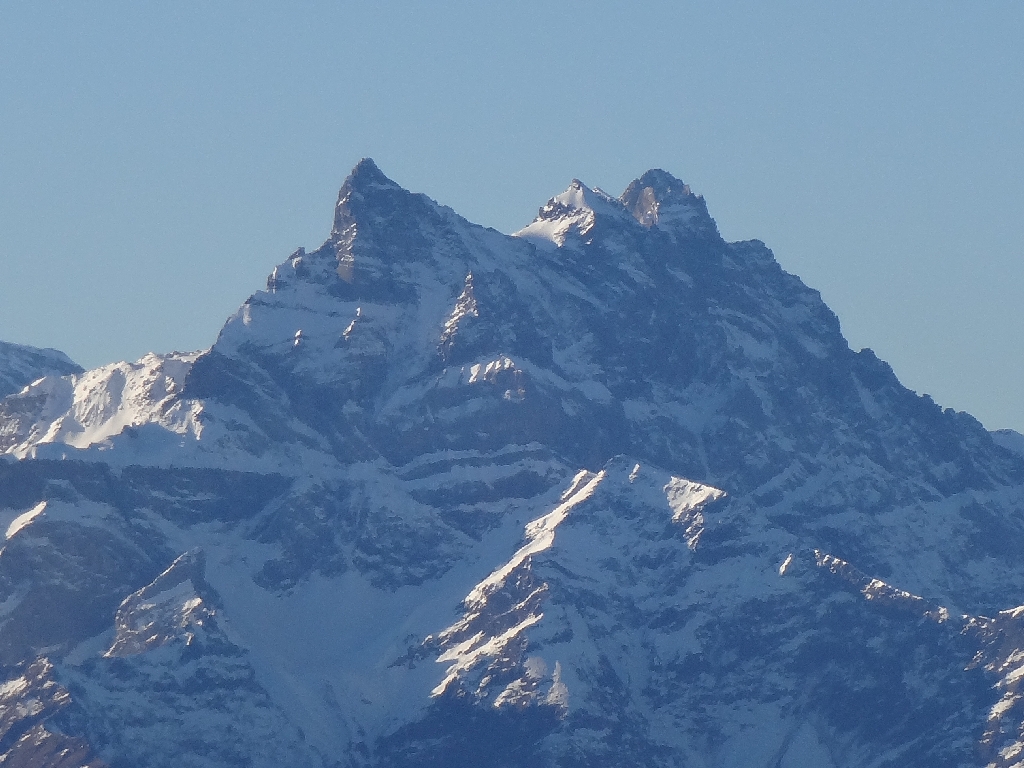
(785, 564)
(24, 519)
(13, 687)
(479, 372)
(465, 306)
(687, 500)
(347, 333)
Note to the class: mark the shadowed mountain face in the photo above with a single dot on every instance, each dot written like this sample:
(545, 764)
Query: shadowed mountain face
(21, 365)
(610, 491)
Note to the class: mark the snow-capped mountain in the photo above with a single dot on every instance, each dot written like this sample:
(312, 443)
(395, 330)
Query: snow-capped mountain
(20, 365)
(87, 409)
(610, 491)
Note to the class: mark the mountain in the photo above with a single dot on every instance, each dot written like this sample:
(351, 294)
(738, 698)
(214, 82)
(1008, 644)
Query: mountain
(85, 409)
(609, 491)
(21, 365)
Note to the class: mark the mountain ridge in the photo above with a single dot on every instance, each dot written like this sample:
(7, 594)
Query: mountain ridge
(20, 365)
(608, 491)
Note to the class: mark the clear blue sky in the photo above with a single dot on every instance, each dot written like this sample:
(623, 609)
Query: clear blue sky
(157, 159)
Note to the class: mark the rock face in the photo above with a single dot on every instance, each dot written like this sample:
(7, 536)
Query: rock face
(611, 491)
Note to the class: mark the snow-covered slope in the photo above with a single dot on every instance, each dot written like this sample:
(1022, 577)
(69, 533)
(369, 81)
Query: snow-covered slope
(21, 365)
(87, 409)
(611, 491)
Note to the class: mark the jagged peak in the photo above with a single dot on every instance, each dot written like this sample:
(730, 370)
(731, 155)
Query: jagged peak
(662, 182)
(659, 198)
(365, 178)
(578, 196)
(577, 208)
(366, 173)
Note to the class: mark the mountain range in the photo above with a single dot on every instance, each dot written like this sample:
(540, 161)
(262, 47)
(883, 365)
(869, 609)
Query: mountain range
(609, 491)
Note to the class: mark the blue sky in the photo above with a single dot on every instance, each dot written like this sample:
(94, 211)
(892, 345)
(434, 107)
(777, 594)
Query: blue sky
(157, 159)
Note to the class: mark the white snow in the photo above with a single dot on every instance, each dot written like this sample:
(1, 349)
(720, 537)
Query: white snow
(20, 365)
(687, 499)
(1002, 706)
(13, 687)
(540, 534)
(465, 655)
(90, 408)
(785, 564)
(559, 694)
(24, 519)
(1011, 751)
(465, 306)
(488, 371)
(577, 210)
(347, 333)
(168, 608)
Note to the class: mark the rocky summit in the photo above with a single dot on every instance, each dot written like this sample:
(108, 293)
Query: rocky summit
(610, 491)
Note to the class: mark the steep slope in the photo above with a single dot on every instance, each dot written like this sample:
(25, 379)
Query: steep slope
(611, 491)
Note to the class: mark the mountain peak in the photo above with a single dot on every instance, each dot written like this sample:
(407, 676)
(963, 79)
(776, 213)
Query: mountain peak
(504, 470)
(656, 198)
(576, 209)
(662, 181)
(660, 198)
(578, 196)
(366, 172)
(364, 180)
